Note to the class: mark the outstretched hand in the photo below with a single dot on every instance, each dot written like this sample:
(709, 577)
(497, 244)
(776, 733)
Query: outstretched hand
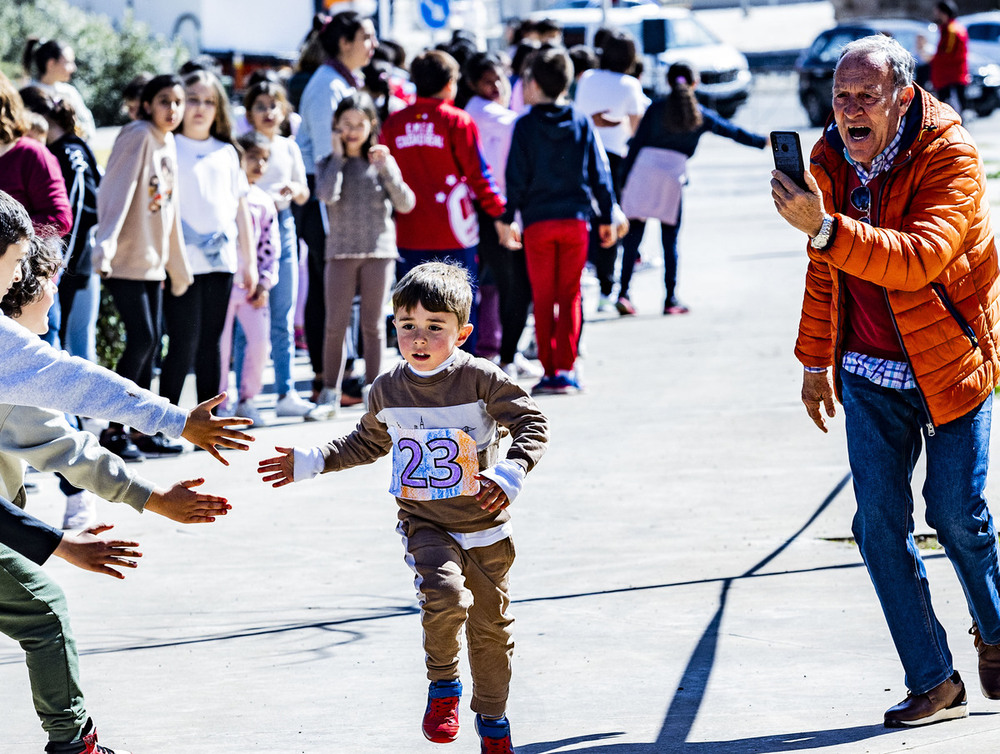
(208, 431)
(182, 504)
(92, 553)
(279, 470)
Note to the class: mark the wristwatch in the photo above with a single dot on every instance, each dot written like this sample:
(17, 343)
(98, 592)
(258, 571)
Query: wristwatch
(821, 239)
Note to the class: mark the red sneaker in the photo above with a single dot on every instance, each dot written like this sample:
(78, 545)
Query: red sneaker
(494, 735)
(441, 716)
(85, 745)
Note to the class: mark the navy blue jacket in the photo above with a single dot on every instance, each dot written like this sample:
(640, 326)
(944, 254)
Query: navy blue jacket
(25, 534)
(556, 169)
(651, 133)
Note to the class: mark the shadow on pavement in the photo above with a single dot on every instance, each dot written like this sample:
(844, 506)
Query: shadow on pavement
(690, 694)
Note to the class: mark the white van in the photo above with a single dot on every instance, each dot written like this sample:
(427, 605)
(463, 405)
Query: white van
(664, 36)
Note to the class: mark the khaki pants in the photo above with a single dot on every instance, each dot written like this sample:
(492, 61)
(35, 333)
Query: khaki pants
(459, 587)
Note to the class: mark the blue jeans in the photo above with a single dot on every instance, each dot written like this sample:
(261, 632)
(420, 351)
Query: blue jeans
(884, 428)
(282, 304)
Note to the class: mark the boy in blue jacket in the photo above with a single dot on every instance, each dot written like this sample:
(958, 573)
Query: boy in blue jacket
(556, 169)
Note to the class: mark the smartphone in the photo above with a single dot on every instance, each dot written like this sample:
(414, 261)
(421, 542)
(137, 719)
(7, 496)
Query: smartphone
(788, 155)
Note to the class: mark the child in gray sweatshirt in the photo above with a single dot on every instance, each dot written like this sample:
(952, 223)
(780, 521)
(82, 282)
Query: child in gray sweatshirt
(33, 608)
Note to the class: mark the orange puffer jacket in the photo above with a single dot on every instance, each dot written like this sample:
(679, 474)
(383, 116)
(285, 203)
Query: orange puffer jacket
(932, 250)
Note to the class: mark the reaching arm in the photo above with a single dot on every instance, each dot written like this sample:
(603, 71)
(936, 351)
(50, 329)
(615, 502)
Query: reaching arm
(92, 553)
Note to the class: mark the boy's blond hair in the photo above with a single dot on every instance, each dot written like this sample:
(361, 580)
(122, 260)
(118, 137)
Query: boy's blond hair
(436, 286)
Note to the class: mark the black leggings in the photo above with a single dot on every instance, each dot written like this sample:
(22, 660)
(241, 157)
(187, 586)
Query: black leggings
(194, 324)
(309, 223)
(510, 274)
(138, 303)
(604, 260)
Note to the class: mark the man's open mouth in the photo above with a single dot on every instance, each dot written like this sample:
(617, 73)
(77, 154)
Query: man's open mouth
(858, 132)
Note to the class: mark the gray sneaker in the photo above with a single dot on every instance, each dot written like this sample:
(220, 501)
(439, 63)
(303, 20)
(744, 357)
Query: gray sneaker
(327, 407)
(81, 510)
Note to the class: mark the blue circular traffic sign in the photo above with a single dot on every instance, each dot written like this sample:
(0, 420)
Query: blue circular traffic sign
(434, 13)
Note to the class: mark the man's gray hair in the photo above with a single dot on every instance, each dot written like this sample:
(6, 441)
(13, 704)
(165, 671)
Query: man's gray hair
(880, 49)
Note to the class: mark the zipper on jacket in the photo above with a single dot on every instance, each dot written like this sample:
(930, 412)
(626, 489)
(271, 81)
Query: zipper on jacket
(929, 425)
(953, 311)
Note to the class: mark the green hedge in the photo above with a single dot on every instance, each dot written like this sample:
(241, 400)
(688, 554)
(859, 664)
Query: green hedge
(108, 57)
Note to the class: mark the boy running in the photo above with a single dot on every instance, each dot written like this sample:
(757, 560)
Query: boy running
(439, 413)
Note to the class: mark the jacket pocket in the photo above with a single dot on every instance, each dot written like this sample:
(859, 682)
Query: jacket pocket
(942, 294)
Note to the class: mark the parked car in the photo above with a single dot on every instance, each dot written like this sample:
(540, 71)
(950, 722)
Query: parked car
(815, 66)
(667, 35)
(984, 33)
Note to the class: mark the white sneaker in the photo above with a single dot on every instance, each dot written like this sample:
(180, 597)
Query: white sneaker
(248, 410)
(606, 304)
(327, 407)
(293, 405)
(81, 510)
(527, 367)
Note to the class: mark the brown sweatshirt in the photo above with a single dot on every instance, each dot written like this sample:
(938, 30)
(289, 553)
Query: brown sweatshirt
(471, 395)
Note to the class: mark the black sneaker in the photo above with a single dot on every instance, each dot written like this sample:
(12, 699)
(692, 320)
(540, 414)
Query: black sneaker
(119, 443)
(157, 445)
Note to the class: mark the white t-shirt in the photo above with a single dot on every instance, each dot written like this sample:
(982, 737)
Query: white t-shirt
(617, 93)
(284, 165)
(211, 185)
(496, 125)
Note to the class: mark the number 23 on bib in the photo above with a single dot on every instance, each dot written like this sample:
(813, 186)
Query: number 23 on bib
(433, 464)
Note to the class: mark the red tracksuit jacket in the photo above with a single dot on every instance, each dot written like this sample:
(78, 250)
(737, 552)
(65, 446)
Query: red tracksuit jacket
(437, 148)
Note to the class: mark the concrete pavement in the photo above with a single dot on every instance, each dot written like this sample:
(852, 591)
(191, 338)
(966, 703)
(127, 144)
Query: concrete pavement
(682, 583)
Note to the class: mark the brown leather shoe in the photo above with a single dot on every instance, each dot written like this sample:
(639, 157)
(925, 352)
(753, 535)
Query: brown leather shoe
(989, 665)
(946, 701)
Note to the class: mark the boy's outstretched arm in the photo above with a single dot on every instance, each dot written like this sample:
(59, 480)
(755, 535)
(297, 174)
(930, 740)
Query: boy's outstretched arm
(92, 553)
(280, 469)
(208, 431)
(183, 504)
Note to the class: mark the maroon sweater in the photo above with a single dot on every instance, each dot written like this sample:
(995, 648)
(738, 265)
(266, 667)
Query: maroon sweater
(870, 329)
(30, 173)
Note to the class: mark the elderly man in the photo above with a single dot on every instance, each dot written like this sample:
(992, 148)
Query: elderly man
(902, 302)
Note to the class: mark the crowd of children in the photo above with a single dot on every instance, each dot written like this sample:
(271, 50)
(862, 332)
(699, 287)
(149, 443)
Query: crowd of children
(470, 178)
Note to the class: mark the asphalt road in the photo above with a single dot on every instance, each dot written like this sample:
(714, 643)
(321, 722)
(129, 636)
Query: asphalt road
(683, 583)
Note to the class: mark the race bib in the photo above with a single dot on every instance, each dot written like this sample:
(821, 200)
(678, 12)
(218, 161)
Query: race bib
(433, 464)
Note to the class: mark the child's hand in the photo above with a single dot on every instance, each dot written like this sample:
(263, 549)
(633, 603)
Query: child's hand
(246, 278)
(92, 553)
(297, 192)
(337, 143)
(620, 222)
(208, 431)
(510, 235)
(608, 235)
(378, 155)
(280, 469)
(491, 496)
(259, 298)
(601, 120)
(182, 504)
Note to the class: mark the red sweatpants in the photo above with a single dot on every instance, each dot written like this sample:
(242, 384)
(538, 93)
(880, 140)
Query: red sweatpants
(556, 252)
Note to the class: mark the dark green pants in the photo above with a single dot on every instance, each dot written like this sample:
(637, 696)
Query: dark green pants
(33, 613)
